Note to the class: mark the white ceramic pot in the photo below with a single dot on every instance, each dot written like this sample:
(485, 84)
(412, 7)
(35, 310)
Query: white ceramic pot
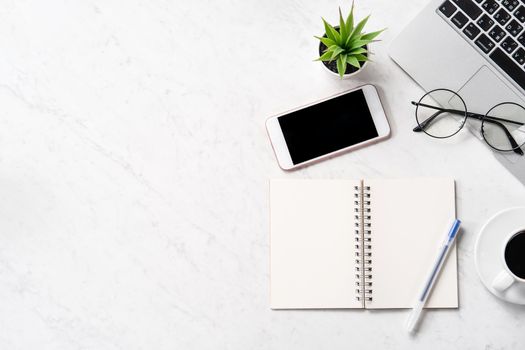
(348, 75)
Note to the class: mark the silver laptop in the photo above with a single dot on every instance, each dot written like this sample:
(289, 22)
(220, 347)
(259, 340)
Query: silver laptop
(473, 47)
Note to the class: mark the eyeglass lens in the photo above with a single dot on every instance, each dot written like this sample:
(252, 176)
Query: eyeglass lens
(441, 124)
(502, 125)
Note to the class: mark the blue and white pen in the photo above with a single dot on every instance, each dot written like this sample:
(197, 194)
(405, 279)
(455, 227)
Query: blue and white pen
(415, 314)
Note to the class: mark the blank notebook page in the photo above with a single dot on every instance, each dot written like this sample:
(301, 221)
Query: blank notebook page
(312, 258)
(410, 218)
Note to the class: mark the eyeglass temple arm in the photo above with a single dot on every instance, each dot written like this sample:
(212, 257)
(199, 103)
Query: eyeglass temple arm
(491, 118)
(458, 112)
(427, 121)
(440, 110)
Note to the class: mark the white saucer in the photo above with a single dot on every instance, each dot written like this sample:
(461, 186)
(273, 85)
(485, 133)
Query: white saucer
(489, 247)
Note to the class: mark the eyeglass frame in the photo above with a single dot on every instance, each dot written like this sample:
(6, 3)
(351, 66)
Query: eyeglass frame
(489, 119)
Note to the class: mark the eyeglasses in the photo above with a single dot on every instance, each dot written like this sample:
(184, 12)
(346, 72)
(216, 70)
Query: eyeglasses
(442, 113)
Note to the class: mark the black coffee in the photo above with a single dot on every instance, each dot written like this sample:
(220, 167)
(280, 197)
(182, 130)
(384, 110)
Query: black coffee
(515, 254)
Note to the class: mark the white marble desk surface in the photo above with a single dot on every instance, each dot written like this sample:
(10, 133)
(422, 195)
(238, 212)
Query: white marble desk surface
(134, 167)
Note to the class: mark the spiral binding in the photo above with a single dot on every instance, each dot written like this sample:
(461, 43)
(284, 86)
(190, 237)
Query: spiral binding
(363, 243)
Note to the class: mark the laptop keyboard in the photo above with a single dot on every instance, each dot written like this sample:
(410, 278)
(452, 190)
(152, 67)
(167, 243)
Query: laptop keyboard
(495, 28)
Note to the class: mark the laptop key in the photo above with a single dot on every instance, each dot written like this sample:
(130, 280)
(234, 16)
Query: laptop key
(469, 7)
(503, 61)
(521, 39)
(519, 56)
(484, 43)
(447, 8)
(471, 31)
(520, 14)
(502, 17)
(490, 6)
(497, 33)
(514, 28)
(509, 45)
(459, 20)
(510, 4)
(485, 22)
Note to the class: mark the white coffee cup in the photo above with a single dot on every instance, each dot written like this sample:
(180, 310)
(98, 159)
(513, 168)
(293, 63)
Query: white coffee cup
(506, 277)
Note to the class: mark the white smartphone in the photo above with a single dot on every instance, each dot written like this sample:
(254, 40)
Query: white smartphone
(329, 127)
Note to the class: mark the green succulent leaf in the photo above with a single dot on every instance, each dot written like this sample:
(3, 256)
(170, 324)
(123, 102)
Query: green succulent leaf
(331, 32)
(359, 27)
(336, 51)
(343, 57)
(327, 56)
(328, 30)
(350, 20)
(356, 37)
(359, 43)
(357, 51)
(328, 42)
(342, 27)
(361, 58)
(353, 61)
(337, 37)
(349, 40)
(341, 66)
(371, 36)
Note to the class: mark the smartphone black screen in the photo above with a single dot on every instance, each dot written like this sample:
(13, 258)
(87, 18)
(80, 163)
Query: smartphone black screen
(328, 126)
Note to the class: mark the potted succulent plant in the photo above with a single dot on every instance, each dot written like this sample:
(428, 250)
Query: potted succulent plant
(344, 49)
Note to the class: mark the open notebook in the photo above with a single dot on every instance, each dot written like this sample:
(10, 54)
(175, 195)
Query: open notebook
(359, 243)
